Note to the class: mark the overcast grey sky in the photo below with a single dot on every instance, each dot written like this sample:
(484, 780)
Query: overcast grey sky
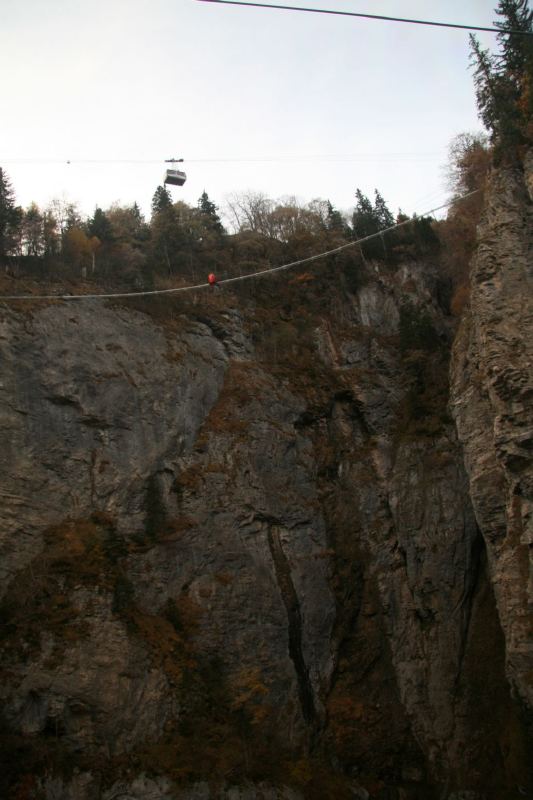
(153, 79)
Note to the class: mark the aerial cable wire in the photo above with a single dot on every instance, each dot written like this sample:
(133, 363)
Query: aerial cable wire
(237, 278)
(328, 157)
(380, 17)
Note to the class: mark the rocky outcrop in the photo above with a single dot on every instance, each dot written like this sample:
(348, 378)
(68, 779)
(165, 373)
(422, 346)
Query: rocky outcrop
(168, 500)
(146, 788)
(492, 401)
(241, 555)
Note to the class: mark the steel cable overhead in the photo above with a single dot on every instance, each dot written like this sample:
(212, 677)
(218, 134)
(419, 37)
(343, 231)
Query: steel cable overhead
(237, 278)
(367, 16)
(326, 157)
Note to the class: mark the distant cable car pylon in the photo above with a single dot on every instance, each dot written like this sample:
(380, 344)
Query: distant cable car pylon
(174, 176)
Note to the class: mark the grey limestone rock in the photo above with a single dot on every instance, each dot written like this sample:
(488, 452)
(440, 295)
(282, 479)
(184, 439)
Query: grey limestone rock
(492, 402)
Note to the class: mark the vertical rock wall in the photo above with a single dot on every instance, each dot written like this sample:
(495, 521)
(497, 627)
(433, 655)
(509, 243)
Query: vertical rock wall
(492, 401)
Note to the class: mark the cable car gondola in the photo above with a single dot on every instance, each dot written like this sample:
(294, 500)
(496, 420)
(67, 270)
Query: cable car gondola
(175, 177)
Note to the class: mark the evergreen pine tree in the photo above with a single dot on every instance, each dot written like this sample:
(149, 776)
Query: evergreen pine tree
(516, 50)
(10, 216)
(334, 220)
(364, 221)
(100, 226)
(32, 231)
(141, 230)
(50, 235)
(504, 81)
(382, 214)
(137, 214)
(73, 218)
(161, 200)
(209, 211)
(166, 230)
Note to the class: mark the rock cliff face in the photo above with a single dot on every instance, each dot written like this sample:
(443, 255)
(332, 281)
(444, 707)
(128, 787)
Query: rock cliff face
(244, 552)
(492, 401)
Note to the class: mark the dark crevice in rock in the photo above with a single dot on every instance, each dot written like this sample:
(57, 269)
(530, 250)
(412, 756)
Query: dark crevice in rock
(355, 408)
(354, 411)
(307, 419)
(495, 716)
(62, 400)
(92, 476)
(154, 506)
(478, 557)
(292, 605)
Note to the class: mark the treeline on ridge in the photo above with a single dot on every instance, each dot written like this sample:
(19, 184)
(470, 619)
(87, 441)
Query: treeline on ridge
(181, 243)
